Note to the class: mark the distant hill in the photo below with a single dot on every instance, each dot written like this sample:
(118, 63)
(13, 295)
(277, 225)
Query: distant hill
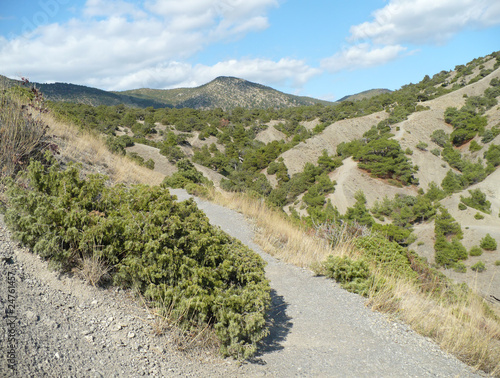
(84, 95)
(226, 93)
(223, 92)
(365, 94)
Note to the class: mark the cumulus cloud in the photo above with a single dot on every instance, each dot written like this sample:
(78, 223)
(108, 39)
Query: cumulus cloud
(115, 41)
(426, 21)
(361, 56)
(416, 22)
(179, 74)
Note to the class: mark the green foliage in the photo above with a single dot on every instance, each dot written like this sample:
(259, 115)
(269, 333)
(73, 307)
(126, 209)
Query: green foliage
(461, 206)
(440, 137)
(445, 225)
(422, 146)
(477, 200)
(488, 243)
(475, 251)
(490, 134)
(497, 263)
(474, 146)
(352, 275)
(384, 158)
(446, 253)
(359, 212)
(478, 267)
(186, 174)
(459, 267)
(165, 249)
(436, 151)
(492, 155)
(478, 216)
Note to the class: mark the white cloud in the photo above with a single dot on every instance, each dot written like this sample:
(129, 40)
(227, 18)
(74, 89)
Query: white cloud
(178, 74)
(361, 56)
(426, 21)
(116, 42)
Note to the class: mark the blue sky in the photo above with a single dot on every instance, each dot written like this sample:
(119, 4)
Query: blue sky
(321, 48)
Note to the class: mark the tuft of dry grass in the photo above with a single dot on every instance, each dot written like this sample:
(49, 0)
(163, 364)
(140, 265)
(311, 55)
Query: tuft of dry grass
(93, 270)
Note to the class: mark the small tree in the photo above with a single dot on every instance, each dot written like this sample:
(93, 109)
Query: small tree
(488, 243)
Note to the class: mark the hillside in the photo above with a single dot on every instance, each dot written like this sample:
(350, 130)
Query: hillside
(225, 93)
(394, 188)
(365, 94)
(64, 92)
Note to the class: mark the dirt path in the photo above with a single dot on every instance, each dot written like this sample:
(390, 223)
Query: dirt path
(320, 329)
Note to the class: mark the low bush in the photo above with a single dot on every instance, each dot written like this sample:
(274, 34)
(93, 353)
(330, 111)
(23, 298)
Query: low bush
(488, 243)
(352, 275)
(475, 251)
(165, 249)
(459, 267)
(478, 267)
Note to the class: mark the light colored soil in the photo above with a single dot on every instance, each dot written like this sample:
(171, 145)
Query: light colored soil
(162, 165)
(270, 135)
(350, 179)
(338, 132)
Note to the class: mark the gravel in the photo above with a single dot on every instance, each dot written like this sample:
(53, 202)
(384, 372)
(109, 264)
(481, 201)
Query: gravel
(61, 327)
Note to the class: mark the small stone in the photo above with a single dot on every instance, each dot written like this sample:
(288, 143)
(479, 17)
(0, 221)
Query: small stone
(116, 327)
(89, 338)
(131, 335)
(57, 355)
(86, 332)
(31, 316)
(94, 302)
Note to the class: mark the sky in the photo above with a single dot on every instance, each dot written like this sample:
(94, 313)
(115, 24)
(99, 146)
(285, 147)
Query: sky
(320, 48)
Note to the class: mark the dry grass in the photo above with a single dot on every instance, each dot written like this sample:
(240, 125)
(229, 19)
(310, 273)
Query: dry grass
(200, 338)
(89, 149)
(93, 270)
(465, 326)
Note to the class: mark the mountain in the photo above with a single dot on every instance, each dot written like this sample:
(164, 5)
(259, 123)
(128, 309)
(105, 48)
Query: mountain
(365, 94)
(223, 92)
(226, 93)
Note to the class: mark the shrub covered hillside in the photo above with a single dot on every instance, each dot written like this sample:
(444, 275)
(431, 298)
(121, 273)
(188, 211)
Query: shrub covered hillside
(141, 236)
(165, 249)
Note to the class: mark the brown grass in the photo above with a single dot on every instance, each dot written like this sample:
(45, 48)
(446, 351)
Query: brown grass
(89, 149)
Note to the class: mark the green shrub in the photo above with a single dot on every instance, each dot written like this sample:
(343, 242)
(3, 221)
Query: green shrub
(422, 146)
(352, 275)
(477, 200)
(478, 267)
(478, 216)
(474, 146)
(475, 251)
(440, 137)
(461, 206)
(436, 152)
(497, 263)
(186, 174)
(446, 253)
(488, 243)
(459, 267)
(165, 249)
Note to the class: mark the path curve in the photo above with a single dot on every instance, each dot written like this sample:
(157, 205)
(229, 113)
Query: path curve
(320, 329)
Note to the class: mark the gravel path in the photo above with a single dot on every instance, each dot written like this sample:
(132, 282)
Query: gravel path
(322, 330)
(64, 328)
